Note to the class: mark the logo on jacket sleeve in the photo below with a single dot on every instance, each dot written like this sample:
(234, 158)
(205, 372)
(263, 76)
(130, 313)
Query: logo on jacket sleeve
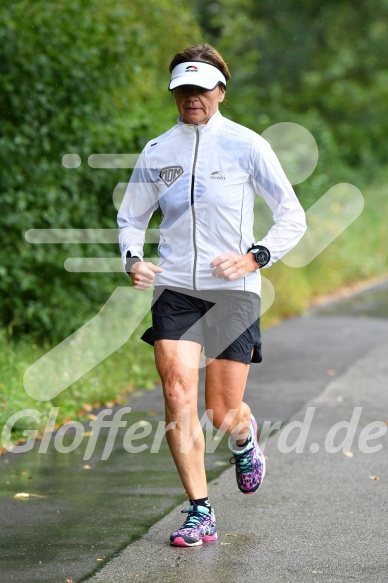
(170, 174)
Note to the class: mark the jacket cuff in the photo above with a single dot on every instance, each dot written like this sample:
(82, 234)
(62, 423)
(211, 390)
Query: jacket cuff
(130, 260)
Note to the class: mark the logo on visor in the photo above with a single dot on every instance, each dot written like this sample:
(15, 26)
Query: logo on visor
(192, 69)
(170, 174)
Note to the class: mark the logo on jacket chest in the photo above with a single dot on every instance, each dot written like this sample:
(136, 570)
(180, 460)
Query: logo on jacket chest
(217, 175)
(170, 174)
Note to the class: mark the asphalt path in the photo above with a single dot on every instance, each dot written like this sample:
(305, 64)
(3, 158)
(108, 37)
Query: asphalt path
(321, 515)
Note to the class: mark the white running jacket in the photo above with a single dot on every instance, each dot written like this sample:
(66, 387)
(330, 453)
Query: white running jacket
(204, 179)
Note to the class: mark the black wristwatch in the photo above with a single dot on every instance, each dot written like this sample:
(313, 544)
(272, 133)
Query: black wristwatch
(129, 262)
(261, 254)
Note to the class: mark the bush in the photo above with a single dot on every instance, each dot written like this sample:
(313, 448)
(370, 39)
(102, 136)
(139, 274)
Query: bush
(80, 77)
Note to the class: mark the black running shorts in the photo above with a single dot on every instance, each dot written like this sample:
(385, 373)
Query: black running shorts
(226, 323)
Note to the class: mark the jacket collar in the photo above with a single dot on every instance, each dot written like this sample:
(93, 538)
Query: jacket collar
(213, 124)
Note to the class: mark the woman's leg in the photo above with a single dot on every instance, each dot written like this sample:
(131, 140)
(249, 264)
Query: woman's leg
(225, 385)
(179, 375)
(224, 390)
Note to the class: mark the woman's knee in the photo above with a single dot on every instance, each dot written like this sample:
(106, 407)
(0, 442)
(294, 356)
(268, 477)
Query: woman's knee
(180, 391)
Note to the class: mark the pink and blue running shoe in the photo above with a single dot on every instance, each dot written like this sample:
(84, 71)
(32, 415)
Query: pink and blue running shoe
(199, 527)
(250, 463)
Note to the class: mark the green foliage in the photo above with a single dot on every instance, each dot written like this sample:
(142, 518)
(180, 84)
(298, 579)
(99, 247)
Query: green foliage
(344, 262)
(320, 64)
(90, 76)
(83, 77)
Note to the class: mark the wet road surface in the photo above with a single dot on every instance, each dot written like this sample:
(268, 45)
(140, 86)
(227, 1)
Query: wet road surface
(81, 512)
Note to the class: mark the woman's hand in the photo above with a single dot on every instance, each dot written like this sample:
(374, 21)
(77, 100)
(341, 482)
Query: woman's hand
(143, 274)
(231, 266)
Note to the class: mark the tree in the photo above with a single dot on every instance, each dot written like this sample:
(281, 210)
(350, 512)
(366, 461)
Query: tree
(323, 63)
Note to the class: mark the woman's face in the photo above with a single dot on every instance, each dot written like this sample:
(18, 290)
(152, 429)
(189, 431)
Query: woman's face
(195, 104)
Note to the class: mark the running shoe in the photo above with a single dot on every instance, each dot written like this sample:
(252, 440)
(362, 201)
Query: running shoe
(199, 527)
(250, 463)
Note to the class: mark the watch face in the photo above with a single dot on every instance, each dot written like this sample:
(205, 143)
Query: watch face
(261, 257)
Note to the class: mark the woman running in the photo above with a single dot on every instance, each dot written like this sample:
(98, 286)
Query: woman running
(204, 174)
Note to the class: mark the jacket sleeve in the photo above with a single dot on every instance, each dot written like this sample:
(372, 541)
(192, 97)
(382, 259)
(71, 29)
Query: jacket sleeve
(271, 183)
(139, 202)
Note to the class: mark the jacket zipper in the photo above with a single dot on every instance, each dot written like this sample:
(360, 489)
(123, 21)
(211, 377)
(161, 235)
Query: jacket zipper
(192, 207)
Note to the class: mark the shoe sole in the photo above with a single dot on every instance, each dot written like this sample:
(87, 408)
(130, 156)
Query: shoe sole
(180, 542)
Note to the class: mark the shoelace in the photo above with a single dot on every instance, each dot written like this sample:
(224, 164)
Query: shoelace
(194, 518)
(243, 461)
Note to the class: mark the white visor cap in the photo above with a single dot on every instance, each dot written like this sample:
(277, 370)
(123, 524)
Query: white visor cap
(196, 73)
